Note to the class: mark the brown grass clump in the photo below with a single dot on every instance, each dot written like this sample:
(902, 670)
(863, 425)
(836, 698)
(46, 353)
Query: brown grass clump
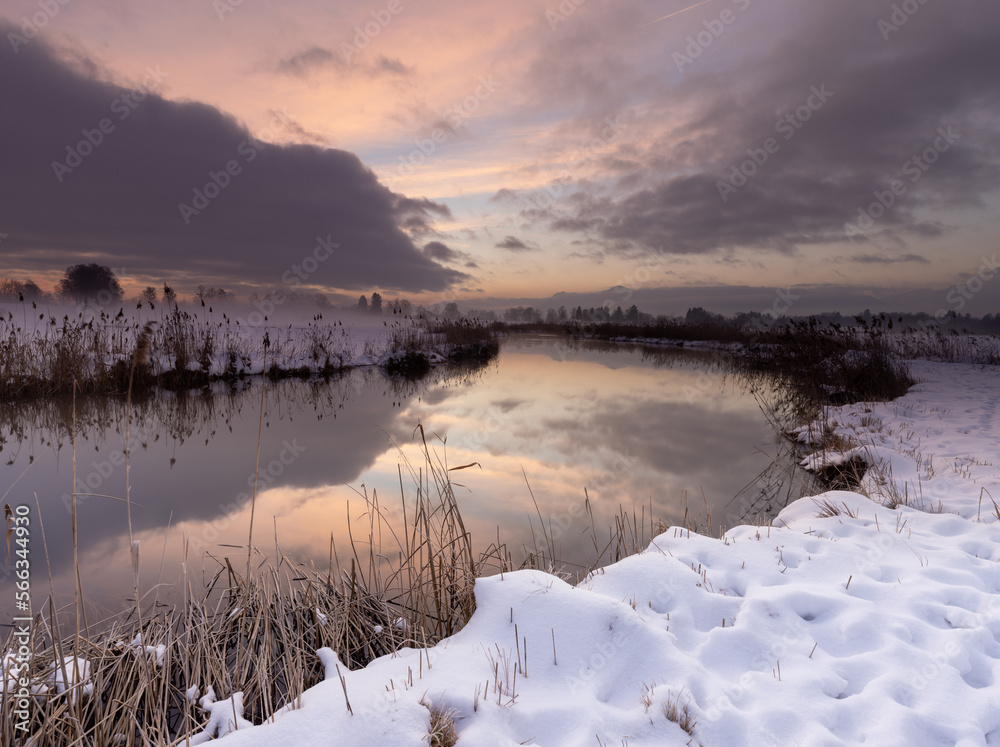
(442, 731)
(828, 509)
(844, 476)
(680, 713)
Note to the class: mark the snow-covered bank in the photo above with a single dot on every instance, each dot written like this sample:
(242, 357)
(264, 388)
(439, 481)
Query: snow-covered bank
(847, 622)
(185, 347)
(937, 448)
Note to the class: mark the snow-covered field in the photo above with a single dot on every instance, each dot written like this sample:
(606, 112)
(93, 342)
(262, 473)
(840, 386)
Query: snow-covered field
(867, 625)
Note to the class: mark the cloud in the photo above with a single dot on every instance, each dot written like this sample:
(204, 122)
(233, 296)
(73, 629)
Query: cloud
(887, 102)
(391, 66)
(416, 215)
(514, 244)
(440, 252)
(504, 195)
(317, 59)
(132, 179)
(881, 259)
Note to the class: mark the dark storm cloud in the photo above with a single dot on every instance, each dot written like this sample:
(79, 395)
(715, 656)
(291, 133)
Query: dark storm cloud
(864, 108)
(172, 186)
(514, 244)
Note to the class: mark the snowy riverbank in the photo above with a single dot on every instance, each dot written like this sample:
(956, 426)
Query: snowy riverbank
(867, 624)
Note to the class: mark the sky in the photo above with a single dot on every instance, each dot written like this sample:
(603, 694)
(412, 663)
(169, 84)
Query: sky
(482, 152)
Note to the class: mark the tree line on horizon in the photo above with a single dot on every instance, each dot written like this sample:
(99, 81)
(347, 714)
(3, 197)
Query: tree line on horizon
(98, 285)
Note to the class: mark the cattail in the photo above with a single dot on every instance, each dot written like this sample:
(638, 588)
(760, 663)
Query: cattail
(141, 355)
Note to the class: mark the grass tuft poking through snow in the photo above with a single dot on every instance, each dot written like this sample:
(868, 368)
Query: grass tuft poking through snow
(676, 709)
(442, 731)
(828, 508)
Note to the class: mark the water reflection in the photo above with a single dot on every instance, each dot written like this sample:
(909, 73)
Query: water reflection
(662, 428)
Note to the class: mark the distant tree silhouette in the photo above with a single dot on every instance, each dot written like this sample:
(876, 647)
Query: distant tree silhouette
(363, 304)
(91, 282)
(148, 294)
(376, 304)
(19, 290)
(213, 294)
(698, 315)
(521, 314)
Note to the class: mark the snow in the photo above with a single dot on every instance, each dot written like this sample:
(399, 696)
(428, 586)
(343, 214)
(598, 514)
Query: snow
(870, 624)
(13, 671)
(73, 675)
(157, 652)
(225, 716)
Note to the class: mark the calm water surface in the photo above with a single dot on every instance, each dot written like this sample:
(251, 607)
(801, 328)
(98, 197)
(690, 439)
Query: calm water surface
(658, 430)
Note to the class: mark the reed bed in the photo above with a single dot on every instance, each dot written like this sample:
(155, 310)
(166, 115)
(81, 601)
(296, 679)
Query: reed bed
(256, 631)
(44, 354)
(950, 346)
(831, 364)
